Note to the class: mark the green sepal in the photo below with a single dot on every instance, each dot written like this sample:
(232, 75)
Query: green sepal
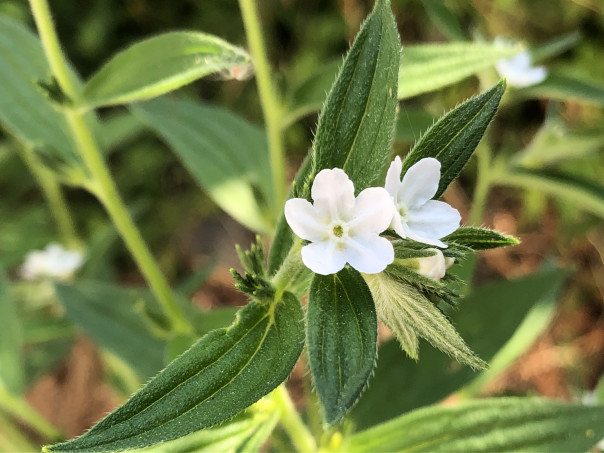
(454, 137)
(341, 339)
(480, 238)
(226, 371)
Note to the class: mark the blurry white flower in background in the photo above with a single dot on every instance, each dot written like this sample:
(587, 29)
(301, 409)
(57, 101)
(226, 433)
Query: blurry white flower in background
(519, 70)
(54, 262)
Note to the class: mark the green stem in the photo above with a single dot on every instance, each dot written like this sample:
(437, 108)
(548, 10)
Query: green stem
(51, 190)
(11, 438)
(17, 407)
(271, 107)
(298, 432)
(483, 184)
(289, 270)
(103, 185)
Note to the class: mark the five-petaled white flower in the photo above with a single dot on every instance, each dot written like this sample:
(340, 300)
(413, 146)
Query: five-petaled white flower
(519, 70)
(54, 261)
(416, 216)
(341, 228)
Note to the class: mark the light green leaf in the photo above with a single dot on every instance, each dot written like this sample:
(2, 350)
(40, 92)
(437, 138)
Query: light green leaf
(497, 424)
(412, 123)
(12, 376)
(480, 238)
(427, 67)
(160, 64)
(341, 339)
(357, 122)
(564, 87)
(583, 194)
(454, 137)
(118, 129)
(25, 112)
(255, 442)
(555, 46)
(226, 155)
(109, 315)
(226, 371)
(444, 19)
(490, 317)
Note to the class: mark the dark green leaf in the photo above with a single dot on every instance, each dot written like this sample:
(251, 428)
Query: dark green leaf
(480, 238)
(108, 314)
(357, 122)
(341, 339)
(226, 155)
(498, 424)
(488, 318)
(11, 364)
(454, 137)
(160, 64)
(226, 371)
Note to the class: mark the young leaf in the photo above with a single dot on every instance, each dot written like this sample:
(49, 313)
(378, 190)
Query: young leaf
(427, 67)
(160, 64)
(480, 238)
(108, 315)
(11, 364)
(357, 121)
(342, 338)
(497, 424)
(454, 137)
(226, 371)
(225, 154)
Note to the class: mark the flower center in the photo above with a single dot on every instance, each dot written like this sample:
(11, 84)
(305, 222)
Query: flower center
(403, 212)
(338, 231)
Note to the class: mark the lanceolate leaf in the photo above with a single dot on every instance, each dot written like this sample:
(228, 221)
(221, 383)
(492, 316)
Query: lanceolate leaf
(357, 122)
(160, 64)
(480, 238)
(11, 364)
(342, 337)
(498, 424)
(427, 67)
(454, 137)
(226, 155)
(223, 373)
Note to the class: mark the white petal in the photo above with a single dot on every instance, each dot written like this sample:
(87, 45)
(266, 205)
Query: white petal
(369, 253)
(323, 257)
(419, 184)
(393, 177)
(519, 71)
(333, 194)
(432, 221)
(434, 267)
(303, 219)
(372, 212)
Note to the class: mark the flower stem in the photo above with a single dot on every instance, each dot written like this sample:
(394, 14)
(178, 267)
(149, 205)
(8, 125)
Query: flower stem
(289, 270)
(51, 190)
(298, 432)
(483, 184)
(268, 99)
(102, 184)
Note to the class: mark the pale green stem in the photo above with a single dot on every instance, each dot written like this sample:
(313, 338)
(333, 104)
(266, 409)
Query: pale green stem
(289, 270)
(51, 190)
(483, 184)
(271, 107)
(11, 439)
(17, 407)
(298, 432)
(103, 185)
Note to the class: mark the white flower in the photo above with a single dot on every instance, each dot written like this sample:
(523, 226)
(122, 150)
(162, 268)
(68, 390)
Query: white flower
(342, 229)
(416, 216)
(54, 261)
(518, 70)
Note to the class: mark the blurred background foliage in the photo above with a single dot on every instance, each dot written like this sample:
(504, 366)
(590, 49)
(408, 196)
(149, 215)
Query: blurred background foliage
(186, 230)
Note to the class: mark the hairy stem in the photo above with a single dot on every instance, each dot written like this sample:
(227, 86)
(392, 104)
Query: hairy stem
(298, 432)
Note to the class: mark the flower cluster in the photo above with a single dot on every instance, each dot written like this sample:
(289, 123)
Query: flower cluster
(343, 229)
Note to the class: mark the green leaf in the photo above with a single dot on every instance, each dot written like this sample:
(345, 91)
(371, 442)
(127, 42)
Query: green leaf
(428, 67)
(223, 373)
(342, 338)
(497, 424)
(160, 64)
(444, 19)
(25, 112)
(412, 123)
(480, 238)
(119, 129)
(357, 122)
(583, 194)
(12, 376)
(226, 155)
(565, 88)
(109, 315)
(490, 318)
(454, 137)
(555, 46)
